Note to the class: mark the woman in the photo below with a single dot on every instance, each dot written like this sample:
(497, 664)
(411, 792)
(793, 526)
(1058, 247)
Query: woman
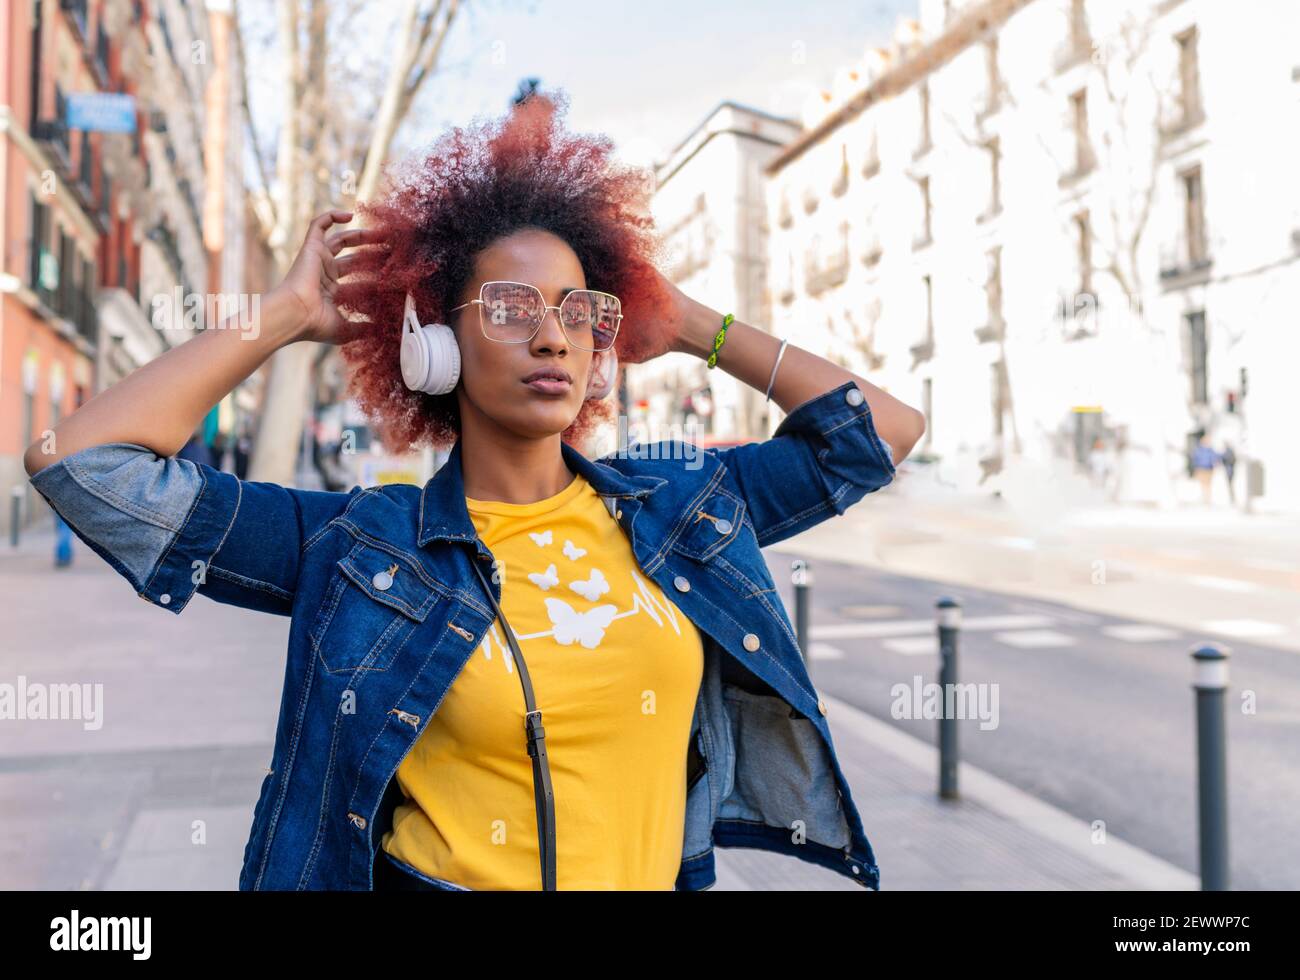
(677, 710)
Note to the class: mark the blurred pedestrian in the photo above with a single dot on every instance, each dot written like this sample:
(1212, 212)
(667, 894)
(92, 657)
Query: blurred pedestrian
(1204, 460)
(62, 542)
(1229, 460)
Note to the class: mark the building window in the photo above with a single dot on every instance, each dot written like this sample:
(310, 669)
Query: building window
(1188, 76)
(993, 288)
(993, 79)
(923, 97)
(1083, 251)
(1083, 158)
(1077, 46)
(1197, 356)
(39, 243)
(1194, 216)
(923, 197)
(927, 407)
(999, 393)
(928, 285)
(994, 150)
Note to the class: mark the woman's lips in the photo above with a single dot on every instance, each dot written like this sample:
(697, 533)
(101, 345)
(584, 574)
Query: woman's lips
(550, 386)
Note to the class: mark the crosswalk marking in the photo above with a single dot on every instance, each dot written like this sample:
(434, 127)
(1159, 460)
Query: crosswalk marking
(902, 627)
(913, 646)
(1035, 639)
(1139, 633)
(824, 651)
(1241, 627)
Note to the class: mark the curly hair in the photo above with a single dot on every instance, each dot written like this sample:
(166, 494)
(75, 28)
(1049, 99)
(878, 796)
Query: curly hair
(473, 187)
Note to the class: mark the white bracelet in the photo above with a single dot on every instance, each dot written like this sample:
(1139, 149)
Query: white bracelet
(772, 380)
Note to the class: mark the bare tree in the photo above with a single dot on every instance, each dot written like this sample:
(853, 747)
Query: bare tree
(319, 125)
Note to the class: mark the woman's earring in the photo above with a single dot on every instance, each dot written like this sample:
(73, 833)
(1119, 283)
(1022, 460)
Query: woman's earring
(430, 356)
(604, 374)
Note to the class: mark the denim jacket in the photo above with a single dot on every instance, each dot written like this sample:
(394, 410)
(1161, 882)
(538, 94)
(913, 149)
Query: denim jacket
(369, 661)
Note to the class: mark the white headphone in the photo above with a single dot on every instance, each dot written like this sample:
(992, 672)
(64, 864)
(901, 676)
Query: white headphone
(430, 358)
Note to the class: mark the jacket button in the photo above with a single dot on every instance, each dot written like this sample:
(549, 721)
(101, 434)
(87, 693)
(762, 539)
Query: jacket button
(750, 641)
(618, 514)
(854, 396)
(358, 820)
(165, 598)
(723, 526)
(681, 585)
(382, 581)
(821, 706)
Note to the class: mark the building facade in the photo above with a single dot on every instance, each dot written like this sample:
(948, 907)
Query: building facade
(1060, 226)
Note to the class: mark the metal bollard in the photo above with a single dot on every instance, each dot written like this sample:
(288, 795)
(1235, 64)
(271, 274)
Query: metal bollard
(1211, 686)
(801, 577)
(949, 617)
(15, 513)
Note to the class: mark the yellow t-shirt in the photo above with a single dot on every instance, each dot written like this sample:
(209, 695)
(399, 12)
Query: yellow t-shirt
(616, 669)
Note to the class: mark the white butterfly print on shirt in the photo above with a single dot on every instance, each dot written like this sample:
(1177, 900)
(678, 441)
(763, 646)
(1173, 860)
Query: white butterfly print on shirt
(545, 580)
(593, 588)
(544, 538)
(572, 551)
(588, 628)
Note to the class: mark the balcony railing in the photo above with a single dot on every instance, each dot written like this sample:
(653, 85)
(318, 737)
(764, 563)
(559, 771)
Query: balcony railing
(1180, 115)
(821, 275)
(1184, 260)
(994, 330)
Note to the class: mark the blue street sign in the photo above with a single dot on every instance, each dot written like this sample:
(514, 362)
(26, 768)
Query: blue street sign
(102, 112)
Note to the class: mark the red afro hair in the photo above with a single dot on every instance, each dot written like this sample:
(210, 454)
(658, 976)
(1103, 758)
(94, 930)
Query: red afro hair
(439, 211)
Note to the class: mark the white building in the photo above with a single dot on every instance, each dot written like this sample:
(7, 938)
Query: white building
(1051, 221)
(710, 205)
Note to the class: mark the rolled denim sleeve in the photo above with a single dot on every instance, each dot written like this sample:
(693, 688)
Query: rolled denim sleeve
(824, 457)
(172, 527)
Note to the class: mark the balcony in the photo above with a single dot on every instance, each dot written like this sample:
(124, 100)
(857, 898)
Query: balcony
(1179, 117)
(53, 135)
(994, 330)
(1085, 162)
(841, 182)
(820, 276)
(1184, 261)
(921, 352)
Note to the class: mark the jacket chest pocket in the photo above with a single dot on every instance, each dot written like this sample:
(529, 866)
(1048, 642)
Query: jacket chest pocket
(711, 525)
(375, 600)
(717, 535)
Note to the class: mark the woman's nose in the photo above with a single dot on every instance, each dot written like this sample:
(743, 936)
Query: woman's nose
(551, 335)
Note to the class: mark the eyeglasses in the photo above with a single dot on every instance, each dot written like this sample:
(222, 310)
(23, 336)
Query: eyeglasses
(515, 311)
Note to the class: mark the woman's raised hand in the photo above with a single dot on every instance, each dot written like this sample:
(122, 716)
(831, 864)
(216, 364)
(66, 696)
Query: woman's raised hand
(314, 276)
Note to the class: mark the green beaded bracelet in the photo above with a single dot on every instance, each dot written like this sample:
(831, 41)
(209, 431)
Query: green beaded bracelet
(720, 338)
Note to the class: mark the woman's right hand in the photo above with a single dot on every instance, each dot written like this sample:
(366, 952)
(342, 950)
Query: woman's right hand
(314, 276)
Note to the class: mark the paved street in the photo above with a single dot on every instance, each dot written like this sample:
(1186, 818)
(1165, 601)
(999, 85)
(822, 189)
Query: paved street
(1095, 725)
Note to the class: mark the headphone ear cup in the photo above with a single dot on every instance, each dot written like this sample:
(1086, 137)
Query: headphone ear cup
(430, 359)
(604, 373)
(444, 358)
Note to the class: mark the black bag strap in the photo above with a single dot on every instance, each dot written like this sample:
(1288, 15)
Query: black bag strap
(535, 737)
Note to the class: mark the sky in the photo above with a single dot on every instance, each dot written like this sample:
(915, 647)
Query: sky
(643, 74)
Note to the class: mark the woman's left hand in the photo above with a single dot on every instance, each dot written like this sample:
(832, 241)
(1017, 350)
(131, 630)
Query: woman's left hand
(684, 316)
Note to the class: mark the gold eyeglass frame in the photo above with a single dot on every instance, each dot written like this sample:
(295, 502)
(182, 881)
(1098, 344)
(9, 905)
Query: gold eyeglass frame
(618, 317)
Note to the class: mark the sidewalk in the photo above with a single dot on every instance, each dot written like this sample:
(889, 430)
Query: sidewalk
(191, 705)
(995, 837)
